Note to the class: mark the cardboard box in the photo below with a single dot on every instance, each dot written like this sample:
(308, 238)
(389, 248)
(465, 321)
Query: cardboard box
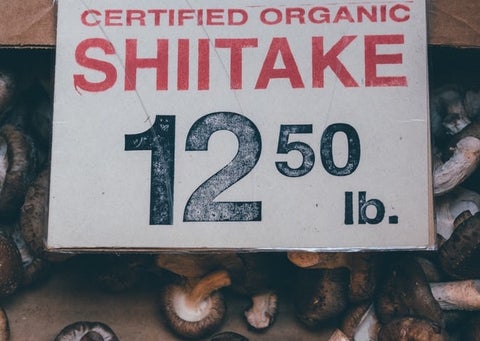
(454, 23)
(32, 23)
(28, 23)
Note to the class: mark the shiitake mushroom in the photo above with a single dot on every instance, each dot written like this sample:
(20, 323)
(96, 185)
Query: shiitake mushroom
(86, 331)
(320, 295)
(228, 336)
(21, 169)
(11, 269)
(33, 218)
(252, 274)
(362, 267)
(410, 329)
(460, 254)
(405, 292)
(195, 308)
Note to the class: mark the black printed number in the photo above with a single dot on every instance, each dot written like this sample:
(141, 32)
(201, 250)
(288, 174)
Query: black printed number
(284, 147)
(160, 139)
(201, 205)
(326, 150)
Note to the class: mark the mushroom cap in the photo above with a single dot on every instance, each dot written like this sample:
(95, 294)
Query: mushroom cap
(404, 291)
(21, 169)
(320, 295)
(460, 254)
(363, 276)
(228, 336)
(410, 329)
(86, 331)
(361, 265)
(192, 322)
(34, 216)
(11, 269)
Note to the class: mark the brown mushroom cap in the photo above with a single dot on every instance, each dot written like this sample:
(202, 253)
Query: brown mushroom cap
(460, 254)
(405, 291)
(86, 331)
(228, 336)
(11, 269)
(33, 218)
(34, 268)
(195, 309)
(410, 329)
(320, 295)
(361, 265)
(20, 173)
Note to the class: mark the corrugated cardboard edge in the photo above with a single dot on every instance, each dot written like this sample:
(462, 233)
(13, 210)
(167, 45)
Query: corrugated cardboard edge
(28, 23)
(33, 23)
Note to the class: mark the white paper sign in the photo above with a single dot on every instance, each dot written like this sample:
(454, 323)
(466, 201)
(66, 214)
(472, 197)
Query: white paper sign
(252, 124)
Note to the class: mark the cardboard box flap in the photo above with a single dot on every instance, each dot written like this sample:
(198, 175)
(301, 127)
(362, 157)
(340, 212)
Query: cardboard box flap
(33, 23)
(454, 23)
(28, 23)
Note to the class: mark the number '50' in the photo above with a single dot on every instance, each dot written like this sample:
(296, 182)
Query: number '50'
(201, 206)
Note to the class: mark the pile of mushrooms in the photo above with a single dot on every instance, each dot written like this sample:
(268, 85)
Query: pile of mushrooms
(432, 295)
(25, 124)
(193, 304)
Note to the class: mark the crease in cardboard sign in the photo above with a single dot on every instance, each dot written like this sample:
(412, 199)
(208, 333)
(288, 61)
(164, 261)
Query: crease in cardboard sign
(148, 118)
(224, 67)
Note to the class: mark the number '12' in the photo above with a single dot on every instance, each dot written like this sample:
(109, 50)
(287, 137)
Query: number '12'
(160, 139)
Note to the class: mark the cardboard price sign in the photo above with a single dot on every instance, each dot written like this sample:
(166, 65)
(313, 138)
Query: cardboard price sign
(240, 125)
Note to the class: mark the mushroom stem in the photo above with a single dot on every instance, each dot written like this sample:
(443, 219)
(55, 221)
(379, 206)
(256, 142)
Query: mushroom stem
(457, 295)
(263, 311)
(461, 164)
(206, 285)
